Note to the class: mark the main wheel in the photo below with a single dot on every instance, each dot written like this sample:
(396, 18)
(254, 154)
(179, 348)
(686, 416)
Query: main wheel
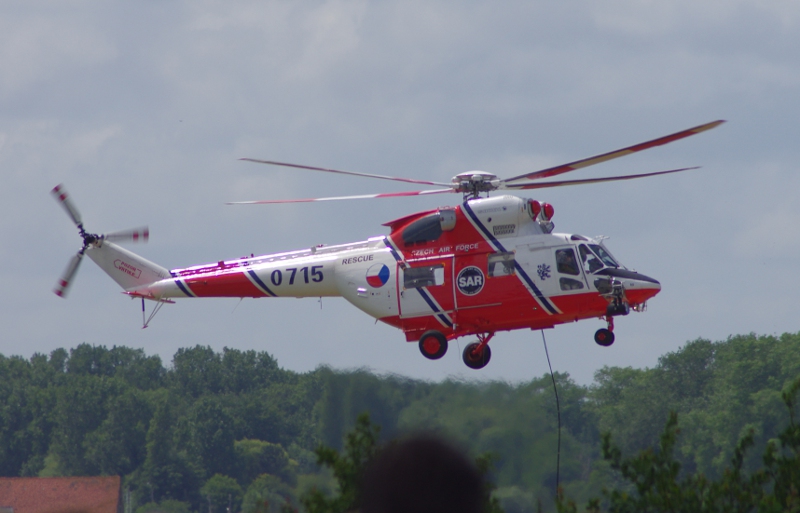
(604, 337)
(432, 344)
(476, 361)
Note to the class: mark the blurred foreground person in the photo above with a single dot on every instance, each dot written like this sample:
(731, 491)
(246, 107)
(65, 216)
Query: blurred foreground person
(419, 475)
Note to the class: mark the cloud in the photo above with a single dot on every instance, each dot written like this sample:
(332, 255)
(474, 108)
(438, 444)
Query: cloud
(143, 110)
(36, 46)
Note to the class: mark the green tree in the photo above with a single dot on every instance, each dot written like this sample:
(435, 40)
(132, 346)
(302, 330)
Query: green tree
(361, 445)
(26, 413)
(118, 445)
(130, 365)
(268, 494)
(246, 371)
(167, 506)
(167, 472)
(346, 395)
(256, 457)
(360, 448)
(656, 481)
(197, 371)
(222, 493)
(81, 407)
(211, 434)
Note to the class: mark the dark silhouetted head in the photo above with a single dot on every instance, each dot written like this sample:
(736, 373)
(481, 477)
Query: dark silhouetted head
(422, 474)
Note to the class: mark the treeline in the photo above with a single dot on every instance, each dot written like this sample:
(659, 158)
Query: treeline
(233, 429)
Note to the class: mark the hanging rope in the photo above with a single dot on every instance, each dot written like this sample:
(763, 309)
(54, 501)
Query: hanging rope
(558, 411)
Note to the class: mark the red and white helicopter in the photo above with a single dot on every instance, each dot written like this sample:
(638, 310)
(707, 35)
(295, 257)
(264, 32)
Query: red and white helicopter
(489, 264)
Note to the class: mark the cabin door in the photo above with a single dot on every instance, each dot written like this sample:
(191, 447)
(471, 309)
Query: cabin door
(426, 287)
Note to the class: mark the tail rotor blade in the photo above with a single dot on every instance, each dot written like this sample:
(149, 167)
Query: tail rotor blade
(61, 196)
(141, 234)
(62, 287)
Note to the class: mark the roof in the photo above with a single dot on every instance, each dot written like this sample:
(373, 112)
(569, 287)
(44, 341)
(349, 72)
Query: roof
(61, 494)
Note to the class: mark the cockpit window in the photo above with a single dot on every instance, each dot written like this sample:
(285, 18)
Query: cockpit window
(591, 262)
(603, 254)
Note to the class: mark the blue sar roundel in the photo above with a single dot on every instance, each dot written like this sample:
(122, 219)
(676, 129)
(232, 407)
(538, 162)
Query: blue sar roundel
(470, 280)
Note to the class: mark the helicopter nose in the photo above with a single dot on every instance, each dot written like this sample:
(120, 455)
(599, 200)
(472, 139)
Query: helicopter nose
(638, 287)
(640, 290)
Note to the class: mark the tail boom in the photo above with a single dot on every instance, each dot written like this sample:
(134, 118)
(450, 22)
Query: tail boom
(295, 274)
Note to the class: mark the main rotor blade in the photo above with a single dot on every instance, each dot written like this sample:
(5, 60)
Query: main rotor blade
(337, 198)
(597, 159)
(62, 286)
(544, 185)
(141, 234)
(367, 175)
(61, 196)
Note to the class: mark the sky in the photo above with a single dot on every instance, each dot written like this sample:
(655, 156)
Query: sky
(142, 109)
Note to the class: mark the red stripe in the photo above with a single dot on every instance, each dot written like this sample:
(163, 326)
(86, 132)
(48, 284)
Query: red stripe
(224, 285)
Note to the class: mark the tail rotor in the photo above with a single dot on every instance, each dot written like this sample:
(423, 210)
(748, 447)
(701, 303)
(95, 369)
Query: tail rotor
(66, 279)
(141, 234)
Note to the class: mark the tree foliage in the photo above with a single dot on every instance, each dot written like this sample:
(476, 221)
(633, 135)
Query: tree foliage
(657, 482)
(169, 429)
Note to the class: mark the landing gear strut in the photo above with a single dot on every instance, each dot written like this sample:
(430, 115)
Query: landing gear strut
(605, 336)
(477, 354)
(617, 305)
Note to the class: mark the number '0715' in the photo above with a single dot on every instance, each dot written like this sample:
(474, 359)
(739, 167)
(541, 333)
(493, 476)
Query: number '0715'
(316, 275)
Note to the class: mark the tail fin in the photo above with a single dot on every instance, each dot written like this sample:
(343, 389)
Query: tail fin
(126, 268)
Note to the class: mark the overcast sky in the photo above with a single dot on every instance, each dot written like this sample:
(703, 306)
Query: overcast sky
(142, 109)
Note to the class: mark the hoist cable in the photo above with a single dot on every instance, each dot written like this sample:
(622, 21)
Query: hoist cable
(558, 412)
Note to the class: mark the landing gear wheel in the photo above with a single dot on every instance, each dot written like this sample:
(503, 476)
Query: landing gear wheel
(604, 337)
(432, 344)
(476, 362)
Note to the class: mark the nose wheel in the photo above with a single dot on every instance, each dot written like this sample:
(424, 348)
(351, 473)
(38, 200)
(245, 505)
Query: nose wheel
(605, 336)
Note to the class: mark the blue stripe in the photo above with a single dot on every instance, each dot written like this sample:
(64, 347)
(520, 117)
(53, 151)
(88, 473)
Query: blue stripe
(518, 267)
(184, 288)
(394, 252)
(430, 302)
(261, 283)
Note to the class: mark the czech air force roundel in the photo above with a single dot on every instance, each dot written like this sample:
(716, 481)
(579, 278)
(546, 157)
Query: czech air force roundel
(470, 280)
(378, 275)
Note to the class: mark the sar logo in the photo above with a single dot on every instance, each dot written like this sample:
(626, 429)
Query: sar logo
(378, 275)
(470, 280)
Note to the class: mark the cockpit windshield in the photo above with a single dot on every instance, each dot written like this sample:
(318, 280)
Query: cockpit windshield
(603, 254)
(595, 257)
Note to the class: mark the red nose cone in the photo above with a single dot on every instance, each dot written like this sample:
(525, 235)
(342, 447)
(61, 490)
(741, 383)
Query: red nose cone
(642, 291)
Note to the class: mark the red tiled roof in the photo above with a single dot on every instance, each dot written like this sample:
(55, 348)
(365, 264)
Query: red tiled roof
(61, 494)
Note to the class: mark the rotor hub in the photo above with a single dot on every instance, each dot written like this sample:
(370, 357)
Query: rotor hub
(473, 183)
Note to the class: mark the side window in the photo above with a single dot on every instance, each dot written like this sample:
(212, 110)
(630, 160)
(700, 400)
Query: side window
(501, 264)
(566, 262)
(603, 285)
(570, 284)
(427, 276)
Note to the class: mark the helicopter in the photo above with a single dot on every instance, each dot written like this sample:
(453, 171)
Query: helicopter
(489, 264)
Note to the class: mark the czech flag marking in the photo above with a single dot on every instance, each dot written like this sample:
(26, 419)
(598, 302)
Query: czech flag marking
(378, 275)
